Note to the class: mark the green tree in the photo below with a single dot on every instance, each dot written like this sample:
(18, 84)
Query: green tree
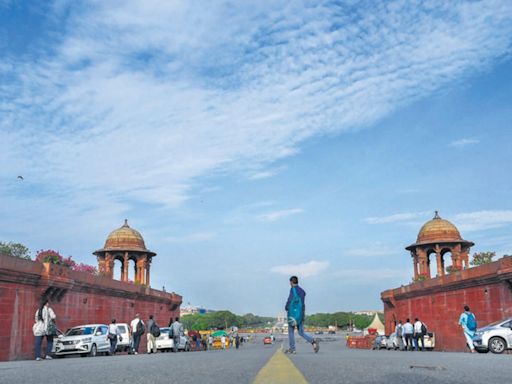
(481, 258)
(15, 250)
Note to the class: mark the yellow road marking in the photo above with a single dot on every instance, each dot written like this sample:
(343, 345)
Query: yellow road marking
(279, 370)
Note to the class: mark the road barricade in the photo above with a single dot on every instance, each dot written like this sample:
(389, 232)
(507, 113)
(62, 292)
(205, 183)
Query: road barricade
(360, 342)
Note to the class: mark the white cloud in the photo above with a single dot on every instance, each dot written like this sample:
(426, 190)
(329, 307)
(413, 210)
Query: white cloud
(396, 218)
(374, 251)
(276, 215)
(136, 101)
(267, 173)
(482, 220)
(311, 268)
(461, 143)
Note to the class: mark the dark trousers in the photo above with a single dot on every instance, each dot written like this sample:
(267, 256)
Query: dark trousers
(113, 345)
(39, 342)
(408, 341)
(417, 337)
(136, 342)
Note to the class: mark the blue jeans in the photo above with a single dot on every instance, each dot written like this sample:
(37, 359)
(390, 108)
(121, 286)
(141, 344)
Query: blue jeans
(49, 345)
(291, 335)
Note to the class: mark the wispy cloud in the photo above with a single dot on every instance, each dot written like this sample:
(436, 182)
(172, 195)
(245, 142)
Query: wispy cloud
(374, 251)
(397, 218)
(150, 96)
(276, 215)
(267, 173)
(311, 268)
(483, 220)
(461, 143)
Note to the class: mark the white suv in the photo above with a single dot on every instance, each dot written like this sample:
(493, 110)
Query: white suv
(495, 337)
(86, 340)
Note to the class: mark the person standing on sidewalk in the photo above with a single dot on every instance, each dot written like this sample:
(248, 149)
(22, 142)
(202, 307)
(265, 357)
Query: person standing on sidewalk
(467, 321)
(44, 326)
(295, 307)
(113, 334)
(419, 335)
(138, 329)
(399, 331)
(408, 330)
(151, 335)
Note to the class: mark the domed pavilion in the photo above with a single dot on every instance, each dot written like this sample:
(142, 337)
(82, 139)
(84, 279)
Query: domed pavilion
(438, 237)
(125, 244)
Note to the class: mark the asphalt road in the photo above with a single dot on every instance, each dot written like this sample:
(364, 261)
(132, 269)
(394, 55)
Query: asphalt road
(333, 364)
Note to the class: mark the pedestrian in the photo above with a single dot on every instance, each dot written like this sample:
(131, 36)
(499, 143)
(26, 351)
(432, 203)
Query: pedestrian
(223, 341)
(44, 326)
(210, 341)
(237, 341)
(151, 335)
(138, 329)
(399, 330)
(113, 335)
(467, 321)
(408, 331)
(419, 335)
(295, 307)
(176, 333)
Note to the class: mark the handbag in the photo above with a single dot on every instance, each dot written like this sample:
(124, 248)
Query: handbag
(112, 336)
(51, 330)
(38, 328)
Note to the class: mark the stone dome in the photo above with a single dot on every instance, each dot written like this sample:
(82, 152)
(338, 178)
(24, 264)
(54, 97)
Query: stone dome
(438, 230)
(125, 238)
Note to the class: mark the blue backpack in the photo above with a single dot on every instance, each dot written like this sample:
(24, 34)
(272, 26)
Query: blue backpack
(471, 322)
(295, 309)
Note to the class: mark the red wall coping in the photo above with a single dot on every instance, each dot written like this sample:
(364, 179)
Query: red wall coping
(14, 269)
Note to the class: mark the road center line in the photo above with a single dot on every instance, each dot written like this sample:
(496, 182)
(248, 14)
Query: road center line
(279, 370)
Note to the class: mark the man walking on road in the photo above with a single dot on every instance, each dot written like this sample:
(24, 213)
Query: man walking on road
(467, 321)
(295, 307)
(177, 331)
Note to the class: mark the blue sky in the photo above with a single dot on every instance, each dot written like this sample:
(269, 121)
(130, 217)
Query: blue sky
(250, 140)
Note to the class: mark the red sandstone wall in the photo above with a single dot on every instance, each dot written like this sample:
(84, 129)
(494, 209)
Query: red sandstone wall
(439, 302)
(77, 298)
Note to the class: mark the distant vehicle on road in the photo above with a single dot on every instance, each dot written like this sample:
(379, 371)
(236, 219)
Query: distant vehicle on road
(331, 332)
(319, 332)
(267, 340)
(164, 343)
(495, 337)
(380, 342)
(85, 340)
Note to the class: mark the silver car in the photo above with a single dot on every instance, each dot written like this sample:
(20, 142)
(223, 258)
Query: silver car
(495, 337)
(85, 340)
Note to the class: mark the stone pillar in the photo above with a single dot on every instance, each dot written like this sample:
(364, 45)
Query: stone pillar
(440, 264)
(415, 264)
(423, 262)
(109, 261)
(126, 263)
(148, 262)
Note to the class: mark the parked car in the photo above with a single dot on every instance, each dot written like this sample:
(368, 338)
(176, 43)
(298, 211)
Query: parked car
(124, 340)
(164, 343)
(85, 340)
(495, 337)
(380, 342)
(392, 342)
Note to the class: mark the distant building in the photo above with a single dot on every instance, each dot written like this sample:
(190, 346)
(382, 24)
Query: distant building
(367, 313)
(192, 310)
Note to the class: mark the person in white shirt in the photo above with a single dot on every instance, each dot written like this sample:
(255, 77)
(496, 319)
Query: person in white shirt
(418, 334)
(408, 330)
(223, 342)
(137, 332)
(399, 332)
(113, 334)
